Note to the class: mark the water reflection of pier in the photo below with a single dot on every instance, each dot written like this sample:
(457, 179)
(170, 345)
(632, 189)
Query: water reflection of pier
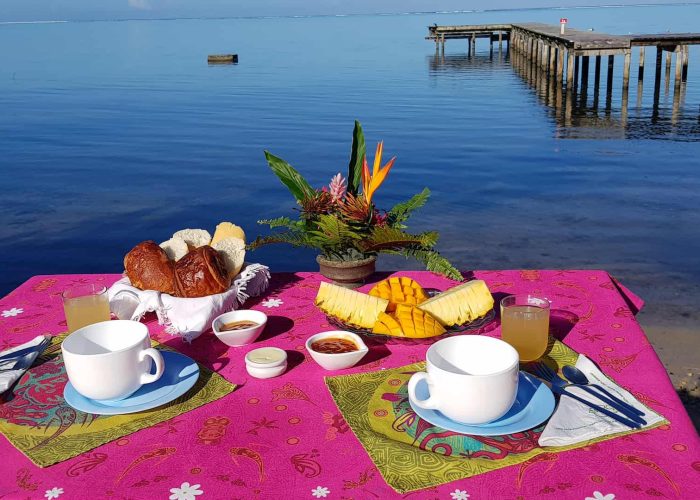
(586, 109)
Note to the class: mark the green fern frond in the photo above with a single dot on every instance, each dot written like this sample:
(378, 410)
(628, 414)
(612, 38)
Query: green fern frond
(333, 231)
(387, 238)
(432, 260)
(280, 222)
(402, 211)
(294, 238)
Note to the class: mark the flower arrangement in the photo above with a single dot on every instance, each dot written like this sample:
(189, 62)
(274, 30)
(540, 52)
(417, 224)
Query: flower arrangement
(343, 223)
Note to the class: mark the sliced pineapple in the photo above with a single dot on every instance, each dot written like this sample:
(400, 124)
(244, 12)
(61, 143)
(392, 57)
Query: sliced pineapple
(460, 304)
(349, 306)
(399, 290)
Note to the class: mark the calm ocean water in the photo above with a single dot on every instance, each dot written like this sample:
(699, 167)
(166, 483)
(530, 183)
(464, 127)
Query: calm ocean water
(116, 132)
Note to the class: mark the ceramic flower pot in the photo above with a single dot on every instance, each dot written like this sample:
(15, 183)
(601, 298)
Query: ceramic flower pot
(349, 274)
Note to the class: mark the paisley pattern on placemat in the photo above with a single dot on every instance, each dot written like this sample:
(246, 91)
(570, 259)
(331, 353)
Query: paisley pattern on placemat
(37, 421)
(411, 453)
(409, 427)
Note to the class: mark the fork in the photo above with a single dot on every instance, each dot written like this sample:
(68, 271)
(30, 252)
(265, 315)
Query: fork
(620, 406)
(22, 362)
(559, 387)
(27, 350)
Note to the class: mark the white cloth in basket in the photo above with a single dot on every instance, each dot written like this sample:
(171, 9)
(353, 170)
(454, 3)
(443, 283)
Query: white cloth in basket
(188, 318)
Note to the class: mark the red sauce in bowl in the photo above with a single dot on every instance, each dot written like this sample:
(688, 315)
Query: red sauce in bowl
(334, 345)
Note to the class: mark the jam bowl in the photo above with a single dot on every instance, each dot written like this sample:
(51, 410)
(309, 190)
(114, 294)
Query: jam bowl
(336, 350)
(237, 328)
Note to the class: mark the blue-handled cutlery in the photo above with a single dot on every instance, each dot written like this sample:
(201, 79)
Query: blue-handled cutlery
(559, 386)
(578, 378)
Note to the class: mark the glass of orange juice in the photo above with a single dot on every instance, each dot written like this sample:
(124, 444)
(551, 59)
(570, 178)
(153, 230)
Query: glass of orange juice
(85, 305)
(525, 325)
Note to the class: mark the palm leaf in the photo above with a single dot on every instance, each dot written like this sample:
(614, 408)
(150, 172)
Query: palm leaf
(296, 184)
(401, 212)
(357, 153)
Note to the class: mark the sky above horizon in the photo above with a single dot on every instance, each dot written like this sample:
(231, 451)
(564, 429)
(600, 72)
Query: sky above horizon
(38, 10)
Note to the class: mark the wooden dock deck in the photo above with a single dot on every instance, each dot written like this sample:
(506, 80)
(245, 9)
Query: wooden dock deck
(569, 53)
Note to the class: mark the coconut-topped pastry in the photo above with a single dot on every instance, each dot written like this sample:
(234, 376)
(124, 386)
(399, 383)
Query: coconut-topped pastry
(233, 252)
(194, 238)
(176, 248)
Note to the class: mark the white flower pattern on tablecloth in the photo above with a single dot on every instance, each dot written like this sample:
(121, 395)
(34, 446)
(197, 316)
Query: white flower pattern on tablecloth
(12, 312)
(272, 303)
(185, 492)
(459, 495)
(320, 492)
(597, 495)
(53, 493)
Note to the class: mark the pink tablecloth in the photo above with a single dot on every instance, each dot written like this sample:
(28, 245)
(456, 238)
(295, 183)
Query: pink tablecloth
(284, 438)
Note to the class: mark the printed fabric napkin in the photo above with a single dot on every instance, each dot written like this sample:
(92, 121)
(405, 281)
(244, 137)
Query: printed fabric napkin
(573, 422)
(8, 373)
(186, 317)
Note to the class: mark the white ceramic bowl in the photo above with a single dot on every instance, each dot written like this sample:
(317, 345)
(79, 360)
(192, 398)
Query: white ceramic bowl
(239, 337)
(266, 362)
(337, 361)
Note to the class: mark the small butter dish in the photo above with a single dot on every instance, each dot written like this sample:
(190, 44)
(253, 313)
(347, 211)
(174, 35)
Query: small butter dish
(266, 362)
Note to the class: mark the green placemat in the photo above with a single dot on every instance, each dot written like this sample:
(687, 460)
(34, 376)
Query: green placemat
(411, 453)
(36, 419)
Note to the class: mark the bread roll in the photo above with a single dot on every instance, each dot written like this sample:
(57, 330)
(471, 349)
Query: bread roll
(200, 273)
(233, 252)
(227, 230)
(194, 238)
(176, 248)
(148, 268)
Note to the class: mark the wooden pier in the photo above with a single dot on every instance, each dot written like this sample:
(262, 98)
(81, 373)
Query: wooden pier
(567, 56)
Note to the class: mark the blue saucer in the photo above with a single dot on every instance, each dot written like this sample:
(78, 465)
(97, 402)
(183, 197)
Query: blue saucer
(534, 404)
(181, 373)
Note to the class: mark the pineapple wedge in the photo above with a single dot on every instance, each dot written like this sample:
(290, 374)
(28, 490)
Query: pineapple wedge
(349, 306)
(399, 290)
(408, 321)
(460, 304)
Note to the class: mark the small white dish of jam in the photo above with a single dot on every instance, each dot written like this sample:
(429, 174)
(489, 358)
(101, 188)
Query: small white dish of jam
(337, 349)
(237, 328)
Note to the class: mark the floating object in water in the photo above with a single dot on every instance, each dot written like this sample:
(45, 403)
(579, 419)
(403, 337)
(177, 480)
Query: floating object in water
(222, 59)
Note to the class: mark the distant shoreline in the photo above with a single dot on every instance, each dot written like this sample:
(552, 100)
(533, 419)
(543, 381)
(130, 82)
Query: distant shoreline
(310, 16)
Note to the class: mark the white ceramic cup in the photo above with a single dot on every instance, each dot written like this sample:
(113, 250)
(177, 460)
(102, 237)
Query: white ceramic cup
(111, 360)
(472, 379)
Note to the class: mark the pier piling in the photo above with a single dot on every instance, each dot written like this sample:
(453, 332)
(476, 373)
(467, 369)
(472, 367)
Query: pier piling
(569, 69)
(679, 65)
(626, 69)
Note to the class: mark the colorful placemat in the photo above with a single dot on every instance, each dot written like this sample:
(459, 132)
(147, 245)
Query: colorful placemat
(411, 453)
(38, 422)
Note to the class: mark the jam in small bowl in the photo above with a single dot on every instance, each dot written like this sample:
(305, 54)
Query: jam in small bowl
(337, 349)
(237, 328)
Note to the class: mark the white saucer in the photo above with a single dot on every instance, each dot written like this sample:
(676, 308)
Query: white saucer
(533, 405)
(181, 373)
